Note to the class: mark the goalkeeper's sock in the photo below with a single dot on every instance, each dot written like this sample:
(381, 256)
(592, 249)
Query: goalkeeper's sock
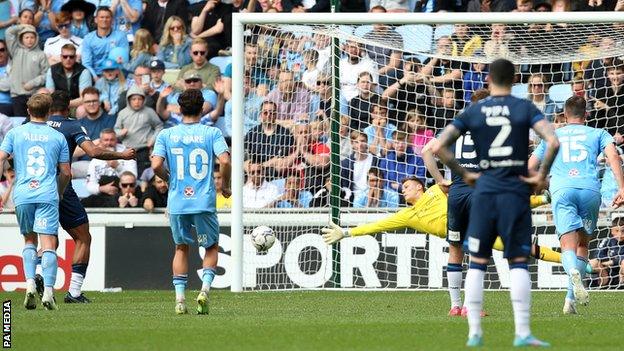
(454, 275)
(568, 260)
(207, 278)
(49, 265)
(549, 255)
(179, 283)
(29, 257)
(538, 200)
(521, 297)
(474, 297)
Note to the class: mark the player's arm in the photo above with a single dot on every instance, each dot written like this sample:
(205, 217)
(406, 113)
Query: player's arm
(399, 220)
(3, 157)
(97, 152)
(225, 168)
(158, 165)
(545, 130)
(441, 148)
(432, 165)
(615, 163)
(64, 177)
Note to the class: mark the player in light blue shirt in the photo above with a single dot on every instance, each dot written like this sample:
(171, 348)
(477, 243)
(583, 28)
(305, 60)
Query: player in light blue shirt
(189, 149)
(575, 189)
(39, 153)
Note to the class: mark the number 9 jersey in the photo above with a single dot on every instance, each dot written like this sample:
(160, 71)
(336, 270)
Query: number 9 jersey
(189, 150)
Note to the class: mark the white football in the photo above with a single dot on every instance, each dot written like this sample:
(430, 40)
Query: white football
(262, 238)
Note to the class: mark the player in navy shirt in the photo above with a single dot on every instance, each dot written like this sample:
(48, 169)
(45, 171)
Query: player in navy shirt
(499, 126)
(73, 216)
(190, 149)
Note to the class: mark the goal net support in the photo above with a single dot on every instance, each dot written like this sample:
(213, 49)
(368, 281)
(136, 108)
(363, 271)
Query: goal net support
(331, 111)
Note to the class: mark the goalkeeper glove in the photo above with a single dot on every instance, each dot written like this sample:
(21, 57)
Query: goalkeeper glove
(334, 233)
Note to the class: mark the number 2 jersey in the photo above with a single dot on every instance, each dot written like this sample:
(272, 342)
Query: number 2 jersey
(499, 127)
(189, 150)
(37, 150)
(576, 164)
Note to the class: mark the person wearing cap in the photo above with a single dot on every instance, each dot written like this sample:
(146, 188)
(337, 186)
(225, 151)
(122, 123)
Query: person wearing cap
(52, 46)
(169, 109)
(157, 72)
(97, 44)
(208, 72)
(110, 85)
(69, 75)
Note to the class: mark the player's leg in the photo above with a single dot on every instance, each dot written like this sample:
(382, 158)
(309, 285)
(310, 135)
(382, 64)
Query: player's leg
(589, 204)
(181, 231)
(457, 222)
(25, 214)
(207, 228)
(46, 224)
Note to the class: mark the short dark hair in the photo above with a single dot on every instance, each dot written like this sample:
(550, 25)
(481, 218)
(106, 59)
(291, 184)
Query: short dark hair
(107, 131)
(617, 221)
(413, 178)
(91, 91)
(479, 94)
(191, 102)
(103, 8)
(502, 72)
(575, 106)
(60, 101)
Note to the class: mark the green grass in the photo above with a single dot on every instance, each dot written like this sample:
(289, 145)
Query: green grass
(309, 320)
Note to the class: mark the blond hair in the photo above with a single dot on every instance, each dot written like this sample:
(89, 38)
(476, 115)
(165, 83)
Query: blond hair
(166, 38)
(143, 42)
(39, 105)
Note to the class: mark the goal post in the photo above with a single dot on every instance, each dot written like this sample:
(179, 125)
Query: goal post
(556, 50)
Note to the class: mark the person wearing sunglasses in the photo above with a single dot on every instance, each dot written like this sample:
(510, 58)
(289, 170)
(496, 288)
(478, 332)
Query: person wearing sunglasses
(160, 12)
(130, 193)
(208, 72)
(52, 47)
(69, 75)
(174, 48)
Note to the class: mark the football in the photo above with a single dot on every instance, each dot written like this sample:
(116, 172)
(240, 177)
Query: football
(262, 238)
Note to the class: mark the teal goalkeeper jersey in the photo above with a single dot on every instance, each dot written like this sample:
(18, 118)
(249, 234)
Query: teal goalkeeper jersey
(576, 164)
(189, 150)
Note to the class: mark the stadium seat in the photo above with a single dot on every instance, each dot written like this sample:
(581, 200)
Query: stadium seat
(442, 30)
(361, 30)
(417, 38)
(17, 121)
(80, 186)
(559, 93)
(520, 90)
(221, 62)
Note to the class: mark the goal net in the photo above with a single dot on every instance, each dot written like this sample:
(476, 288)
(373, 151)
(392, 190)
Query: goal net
(334, 116)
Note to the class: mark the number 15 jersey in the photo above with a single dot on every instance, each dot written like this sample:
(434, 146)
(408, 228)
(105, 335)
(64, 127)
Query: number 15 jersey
(189, 150)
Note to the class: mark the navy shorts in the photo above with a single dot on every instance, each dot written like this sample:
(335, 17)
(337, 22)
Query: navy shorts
(71, 212)
(507, 215)
(458, 216)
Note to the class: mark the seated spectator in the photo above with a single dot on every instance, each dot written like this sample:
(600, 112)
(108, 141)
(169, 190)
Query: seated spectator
(609, 262)
(53, 46)
(414, 90)
(6, 105)
(539, 96)
(28, 65)
(209, 25)
(142, 50)
(380, 131)
(313, 156)
(95, 119)
(320, 102)
(359, 106)
(252, 105)
(108, 193)
(524, 6)
(309, 76)
(321, 43)
(355, 62)
(400, 162)
(353, 170)
(322, 197)
(6, 188)
(174, 48)
(160, 12)
(446, 109)
(257, 191)
(141, 78)
(157, 71)
(466, 41)
(254, 71)
(69, 76)
(130, 193)
(498, 45)
(292, 99)
(155, 195)
(222, 201)
(388, 60)
(376, 194)
(81, 12)
(168, 107)
(419, 134)
(474, 79)
(609, 102)
(137, 127)
(294, 196)
(444, 72)
(110, 85)
(97, 44)
(208, 72)
(98, 168)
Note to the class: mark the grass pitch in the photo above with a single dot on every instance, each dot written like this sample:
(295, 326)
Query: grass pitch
(308, 320)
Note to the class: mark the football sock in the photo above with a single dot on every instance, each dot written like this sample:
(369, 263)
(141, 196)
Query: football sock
(49, 264)
(29, 256)
(521, 297)
(454, 275)
(568, 260)
(581, 265)
(549, 255)
(474, 297)
(179, 283)
(79, 270)
(207, 278)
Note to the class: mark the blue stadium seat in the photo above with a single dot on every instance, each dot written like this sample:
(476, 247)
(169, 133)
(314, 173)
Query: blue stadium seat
(559, 93)
(443, 30)
(221, 62)
(417, 38)
(520, 90)
(80, 186)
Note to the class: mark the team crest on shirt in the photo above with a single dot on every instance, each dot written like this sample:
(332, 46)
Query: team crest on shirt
(573, 172)
(189, 191)
(34, 184)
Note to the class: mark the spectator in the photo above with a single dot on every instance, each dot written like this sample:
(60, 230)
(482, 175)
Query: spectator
(142, 50)
(253, 70)
(313, 156)
(446, 109)
(130, 193)
(321, 45)
(290, 54)
(306, 6)
(110, 85)
(69, 76)
(6, 189)
(54, 45)
(27, 16)
(351, 66)
(443, 71)
(321, 103)
(45, 18)
(222, 201)
(6, 104)
(413, 90)
(539, 96)
(96, 119)
(157, 72)
(137, 127)
(490, 5)
(375, 194)
(127, 15)
(388, 60)
(208, 72)
(270, 144)
(400, 162)
(5, 125)
(609, 102)
(359, 106)
(609, 262)
(524, 6)
(141, 78)
(98, 43)
(596, 74)
(112, 168)
(380, 131)
(168, 107)
(209, 25)
(322, 197)
(252, 105)
(292, 99)
(81, 12)
(175, 46)
(257, 191)
(28, 65)
(354, 170)
(160, 13)
(155, 195)
(419, 134)
(609, 186)
(309, 76)
(294, 196)
(390, 5)
(498, 45)
(474, 79)
(464, 40)
(108, 195)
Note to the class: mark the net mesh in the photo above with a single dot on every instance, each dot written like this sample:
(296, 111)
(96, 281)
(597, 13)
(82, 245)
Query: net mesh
(399, 86)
